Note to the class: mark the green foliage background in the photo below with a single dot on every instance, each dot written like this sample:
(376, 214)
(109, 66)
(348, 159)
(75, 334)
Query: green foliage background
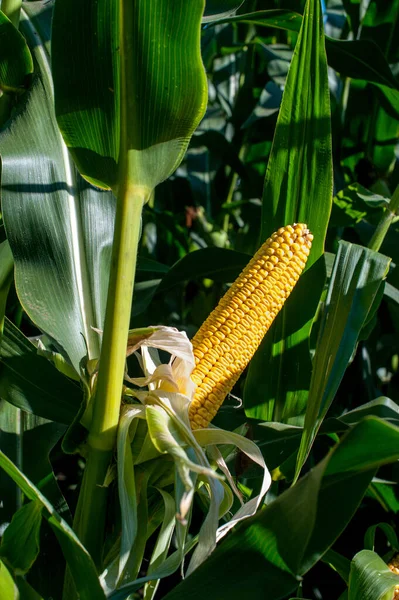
(331, 359)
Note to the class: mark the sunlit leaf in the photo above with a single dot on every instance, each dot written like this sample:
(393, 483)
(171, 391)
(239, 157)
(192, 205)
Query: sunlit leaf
(62, 252)
(298, 188)
(354, 286)
(122, 105)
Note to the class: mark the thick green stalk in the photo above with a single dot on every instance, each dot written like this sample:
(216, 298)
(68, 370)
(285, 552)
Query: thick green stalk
(389, 215)
(90, 515)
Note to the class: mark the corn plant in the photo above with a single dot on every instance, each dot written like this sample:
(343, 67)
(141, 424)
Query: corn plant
(178, 441)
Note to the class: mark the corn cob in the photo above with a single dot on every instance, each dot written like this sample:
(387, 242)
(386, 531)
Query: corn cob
(394, 566)
(227, 340)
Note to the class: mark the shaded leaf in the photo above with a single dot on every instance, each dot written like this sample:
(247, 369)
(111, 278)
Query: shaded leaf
(79, 561)
(20, 543)
(32, 383)
(268, 553)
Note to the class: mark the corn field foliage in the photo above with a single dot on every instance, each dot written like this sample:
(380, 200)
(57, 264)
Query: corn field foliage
(148, 149)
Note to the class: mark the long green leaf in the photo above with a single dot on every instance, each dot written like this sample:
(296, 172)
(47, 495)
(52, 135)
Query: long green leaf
(30, 382)
(59, 228)
(265, 556)
(298, 188)
(79, 561)
(354, 287)
(140, 107)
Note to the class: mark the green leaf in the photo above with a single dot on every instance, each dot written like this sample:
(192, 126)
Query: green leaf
(355, 283)
(390, 534)
(355, 203)
(370, 578)
(32, 383)
(119, 105)
(15, 59)
(62, 252)
(8, 589)
(218, 264)
(298, 188)
(338, 562)
(79, 561)
(20, 543)
(275, 548)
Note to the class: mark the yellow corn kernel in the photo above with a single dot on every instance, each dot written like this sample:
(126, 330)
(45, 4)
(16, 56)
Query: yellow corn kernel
(227, 340)
(394, 566)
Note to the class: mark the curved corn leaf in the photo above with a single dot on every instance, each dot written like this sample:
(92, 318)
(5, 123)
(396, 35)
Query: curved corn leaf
(79, 561)
(32, 383)
(130, 86)
(298, 188)
(59, 228)
(354, 288)
(16, 63)
(274, 549)
(370, 578)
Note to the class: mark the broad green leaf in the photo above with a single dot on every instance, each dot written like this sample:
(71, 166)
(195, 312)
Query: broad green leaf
(217, 9)
(6, 273)
(79, 561)
(20, 543)
(130, 86)
(273, 549)
(298, 188)
(15, 59)
(370, 578)
(32, 383)
(355, 284)
(62, 251)
(8, 589)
